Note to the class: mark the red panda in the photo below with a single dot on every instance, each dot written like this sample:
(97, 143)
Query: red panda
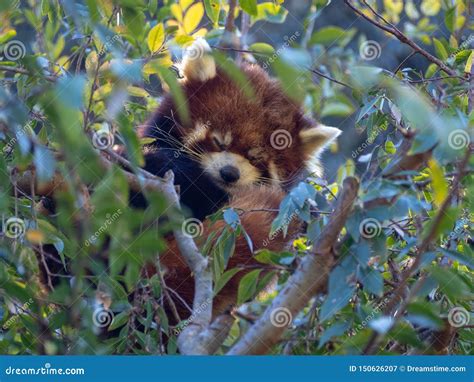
(235, 151)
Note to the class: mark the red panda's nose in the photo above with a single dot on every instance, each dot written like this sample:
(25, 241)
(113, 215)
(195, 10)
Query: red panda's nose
(230, 174)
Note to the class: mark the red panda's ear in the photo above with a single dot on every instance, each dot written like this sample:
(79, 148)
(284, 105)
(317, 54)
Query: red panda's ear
(198, 64)
(317, 138)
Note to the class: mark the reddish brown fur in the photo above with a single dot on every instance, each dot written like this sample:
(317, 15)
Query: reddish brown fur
(221, 104)
(256, 223)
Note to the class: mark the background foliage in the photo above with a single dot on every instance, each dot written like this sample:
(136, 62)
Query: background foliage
(78, 76)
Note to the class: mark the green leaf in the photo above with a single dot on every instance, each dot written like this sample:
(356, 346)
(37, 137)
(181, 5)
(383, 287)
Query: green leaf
(332, 35)
(440, 49)
(438, 182)
(248, 286)
(262, 47)
(212, 8)
(224, 279)
(249, 6)
(156, 38)
(334, 330)
(119, 320)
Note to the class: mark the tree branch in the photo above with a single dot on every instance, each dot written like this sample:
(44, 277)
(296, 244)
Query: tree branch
(394, 31)
(304, 283)
(399, 292)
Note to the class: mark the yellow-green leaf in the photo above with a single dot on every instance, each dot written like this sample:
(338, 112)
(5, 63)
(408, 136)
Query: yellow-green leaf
(468, 67)
(438, 182)
(431, 7)
(193, 17)
(262, 47)
(156, 38)
(440, 49)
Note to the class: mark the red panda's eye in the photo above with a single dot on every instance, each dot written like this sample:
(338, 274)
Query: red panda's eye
(218, 144)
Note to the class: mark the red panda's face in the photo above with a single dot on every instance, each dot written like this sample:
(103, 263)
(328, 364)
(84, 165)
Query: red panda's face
(231, 160)
(240, 140)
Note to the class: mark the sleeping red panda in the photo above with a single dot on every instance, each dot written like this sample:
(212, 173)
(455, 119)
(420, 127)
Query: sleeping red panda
(235, 151)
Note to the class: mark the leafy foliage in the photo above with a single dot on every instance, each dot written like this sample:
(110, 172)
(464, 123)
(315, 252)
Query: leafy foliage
(78, 76)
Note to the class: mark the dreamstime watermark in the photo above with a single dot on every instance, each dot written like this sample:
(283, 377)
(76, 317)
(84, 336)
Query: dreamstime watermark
(108, 44)
(191, 138)
(192, 228)
(102, 317)
(370, 228)
(191, 318)
(13, 50)
(464, 45)
(103, 139)
(274, 234)
(277, 53)
(281, 317)
(20, 310)
(110, 219)
(459, 139)
(365, 322)
(458, 317)
(370, 139)
(19, 134)
(281, 139)
(46, 370)
(457, 230)
(370, 50)
(14, 228)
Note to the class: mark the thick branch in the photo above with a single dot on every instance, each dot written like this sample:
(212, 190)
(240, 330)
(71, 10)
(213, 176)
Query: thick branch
(310, 278)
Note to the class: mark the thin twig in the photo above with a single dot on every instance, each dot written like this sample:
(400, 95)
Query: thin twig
(394, 31)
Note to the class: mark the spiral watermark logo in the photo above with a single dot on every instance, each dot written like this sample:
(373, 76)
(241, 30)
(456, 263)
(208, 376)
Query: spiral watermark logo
(14, 228)
(192, 227)
(102, 317)
(281, 317)
(458, 316)
(195, 50)
(14, 50)
(370, 228)
(459, 139)
(370, 50)
(103, 139)
(281, 139)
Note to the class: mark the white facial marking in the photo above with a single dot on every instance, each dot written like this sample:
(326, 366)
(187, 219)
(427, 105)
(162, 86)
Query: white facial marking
(213, 162)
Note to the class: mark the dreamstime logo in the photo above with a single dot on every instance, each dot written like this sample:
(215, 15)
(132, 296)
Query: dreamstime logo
(281, 317)
(14, 50)
(103, 139)
(274, 234)
(102, 317)
(109, 43)
(281, 139)
(192, 227)
(372, 315)
(370, 139)
(108, 221)
(464, 45)
(190, 139)
(458, 316)
(194, 50)
(19, 311)
(459, 139)
(288, 41)
(370, 50)
(14, 228)
(188, 321)
(370, 228)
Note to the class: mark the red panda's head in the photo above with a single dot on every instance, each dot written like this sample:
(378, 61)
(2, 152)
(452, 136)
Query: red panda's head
(241, 140)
